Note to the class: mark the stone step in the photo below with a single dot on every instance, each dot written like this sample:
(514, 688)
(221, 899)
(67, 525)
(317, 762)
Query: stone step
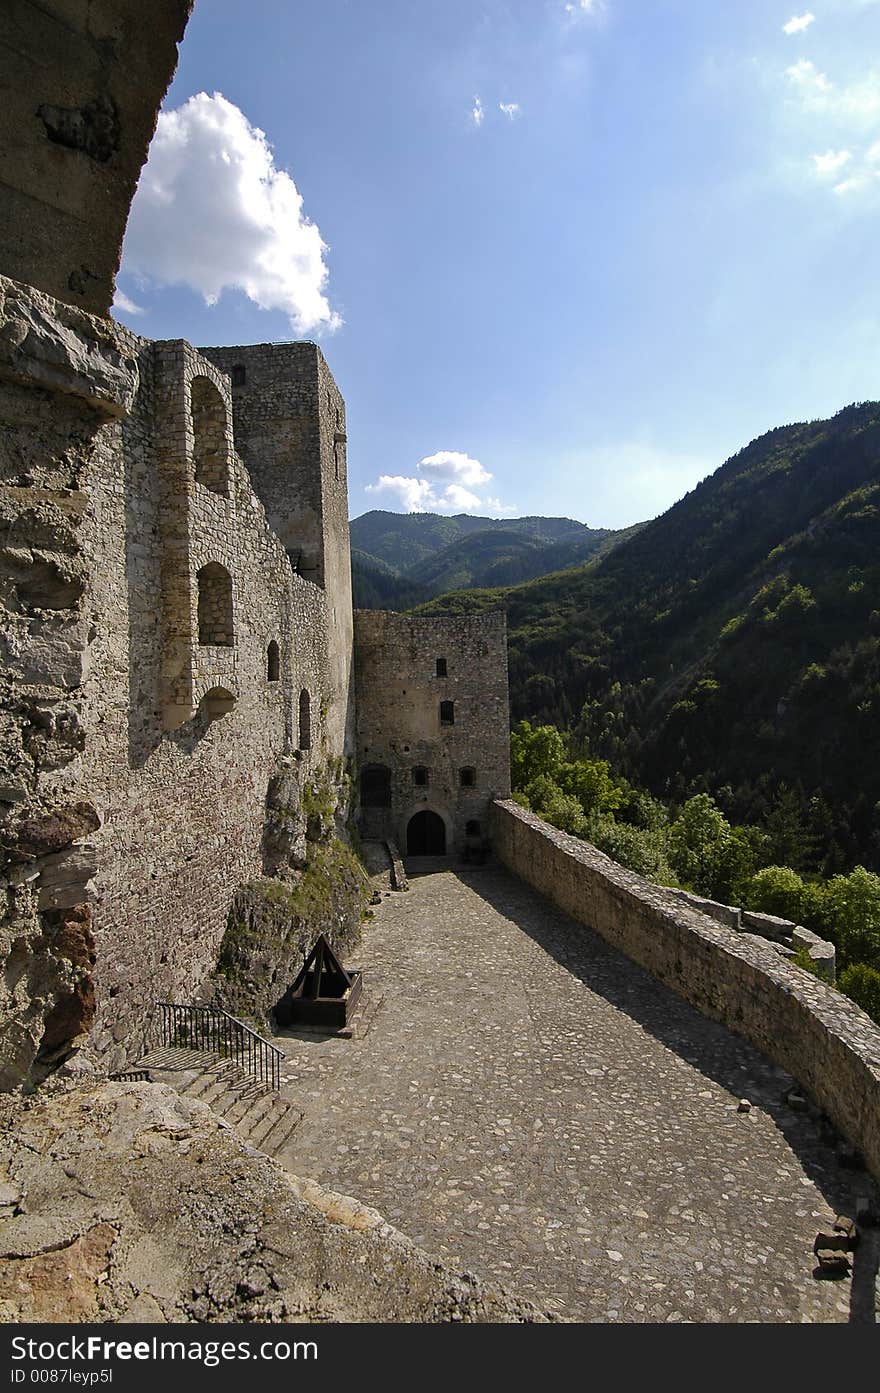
(252, 1118)
(211, 1087)
(198, 1086)
(267, 1124)
(261, 1116)
(286, 1124)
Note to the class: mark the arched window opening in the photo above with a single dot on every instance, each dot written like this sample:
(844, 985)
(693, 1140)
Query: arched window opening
(447, 713)
(467, 777)
(376, 786)
(209, 436)
(273, 662)
(420, 776)
(215, 606)
(441, 667)
(217, 702)
(305, 720)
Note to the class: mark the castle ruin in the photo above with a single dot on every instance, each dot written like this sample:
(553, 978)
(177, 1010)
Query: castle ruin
(178, 636)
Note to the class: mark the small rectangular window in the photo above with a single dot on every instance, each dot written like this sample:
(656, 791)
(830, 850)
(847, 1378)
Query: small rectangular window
(447, 713)
(467, 777)
(420, 776)
(441, 667)
(238, 375)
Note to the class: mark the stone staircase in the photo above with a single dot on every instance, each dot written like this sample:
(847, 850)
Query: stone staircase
(264, 1118)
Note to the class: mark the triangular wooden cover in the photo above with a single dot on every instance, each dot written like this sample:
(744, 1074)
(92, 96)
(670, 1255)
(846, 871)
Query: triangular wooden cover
(322, 973)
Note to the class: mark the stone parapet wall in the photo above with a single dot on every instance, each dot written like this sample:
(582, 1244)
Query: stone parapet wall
(804, 1025)
(783, 934)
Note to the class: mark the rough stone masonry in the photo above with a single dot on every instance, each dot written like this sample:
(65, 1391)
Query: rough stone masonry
(177, 689)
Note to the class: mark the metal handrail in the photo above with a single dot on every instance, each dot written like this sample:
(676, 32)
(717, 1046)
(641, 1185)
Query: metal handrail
(184, 1026)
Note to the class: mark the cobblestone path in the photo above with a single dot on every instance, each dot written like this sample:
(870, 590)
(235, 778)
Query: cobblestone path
(534, 1108)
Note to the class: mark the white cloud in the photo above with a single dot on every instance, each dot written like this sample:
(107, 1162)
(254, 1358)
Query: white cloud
(452, 477)
(574, 7)
(832, 161)
(477, 112)
(212, 211)
(511, 109)
(858, 181)
(805, 75)
(456, 466)
(798, 23)
(124, 305)
(845, 113)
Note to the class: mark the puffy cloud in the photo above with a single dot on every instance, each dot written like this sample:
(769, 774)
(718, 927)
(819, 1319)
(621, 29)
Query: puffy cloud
(574, 7)
(798, 23)
(832, 161)
(477, 112)
(212, 211)
(511, 109)
(453, 464)
(452, 477)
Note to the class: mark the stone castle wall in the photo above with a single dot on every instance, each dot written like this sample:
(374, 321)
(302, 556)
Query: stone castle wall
(139, 743)
(399, 725)
(182, 782)
(811, 1030)
(80, 87)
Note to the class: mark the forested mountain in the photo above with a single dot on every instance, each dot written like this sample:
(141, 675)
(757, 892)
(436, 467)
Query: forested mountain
(400, 559)
(733, 644)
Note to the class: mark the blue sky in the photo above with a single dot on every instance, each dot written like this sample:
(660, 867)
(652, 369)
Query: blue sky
(562, 258)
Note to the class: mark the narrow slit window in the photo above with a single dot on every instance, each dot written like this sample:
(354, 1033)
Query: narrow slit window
(273, 662)
(305, 721)
(441, 667)
(447, 713)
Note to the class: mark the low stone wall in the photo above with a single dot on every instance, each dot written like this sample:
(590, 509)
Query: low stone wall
(783, 935)
(814, 1032)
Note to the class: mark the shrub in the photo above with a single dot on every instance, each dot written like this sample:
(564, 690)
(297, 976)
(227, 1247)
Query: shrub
(639, 849)
(851, 914)
(777, 890)
(861, 983)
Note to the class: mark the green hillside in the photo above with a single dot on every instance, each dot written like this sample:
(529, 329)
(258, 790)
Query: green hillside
(418, 555)
(732, 645)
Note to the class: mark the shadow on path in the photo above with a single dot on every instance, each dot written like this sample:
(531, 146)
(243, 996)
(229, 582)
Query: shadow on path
(711, 1048)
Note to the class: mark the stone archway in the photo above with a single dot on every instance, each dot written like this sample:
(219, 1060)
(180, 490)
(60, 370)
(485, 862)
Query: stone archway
(426, 834)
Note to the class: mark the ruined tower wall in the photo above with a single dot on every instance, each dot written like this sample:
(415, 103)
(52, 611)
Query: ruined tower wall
(181, 783)
(290, 431)
(135, 759)
(80, 87)
(399, 723)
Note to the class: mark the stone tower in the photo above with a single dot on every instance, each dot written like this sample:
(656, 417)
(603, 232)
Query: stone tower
(289, 426)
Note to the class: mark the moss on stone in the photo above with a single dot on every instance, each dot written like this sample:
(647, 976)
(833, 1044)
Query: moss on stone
(274, 923)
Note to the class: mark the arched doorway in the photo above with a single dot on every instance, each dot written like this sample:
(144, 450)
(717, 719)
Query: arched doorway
(426, 834)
